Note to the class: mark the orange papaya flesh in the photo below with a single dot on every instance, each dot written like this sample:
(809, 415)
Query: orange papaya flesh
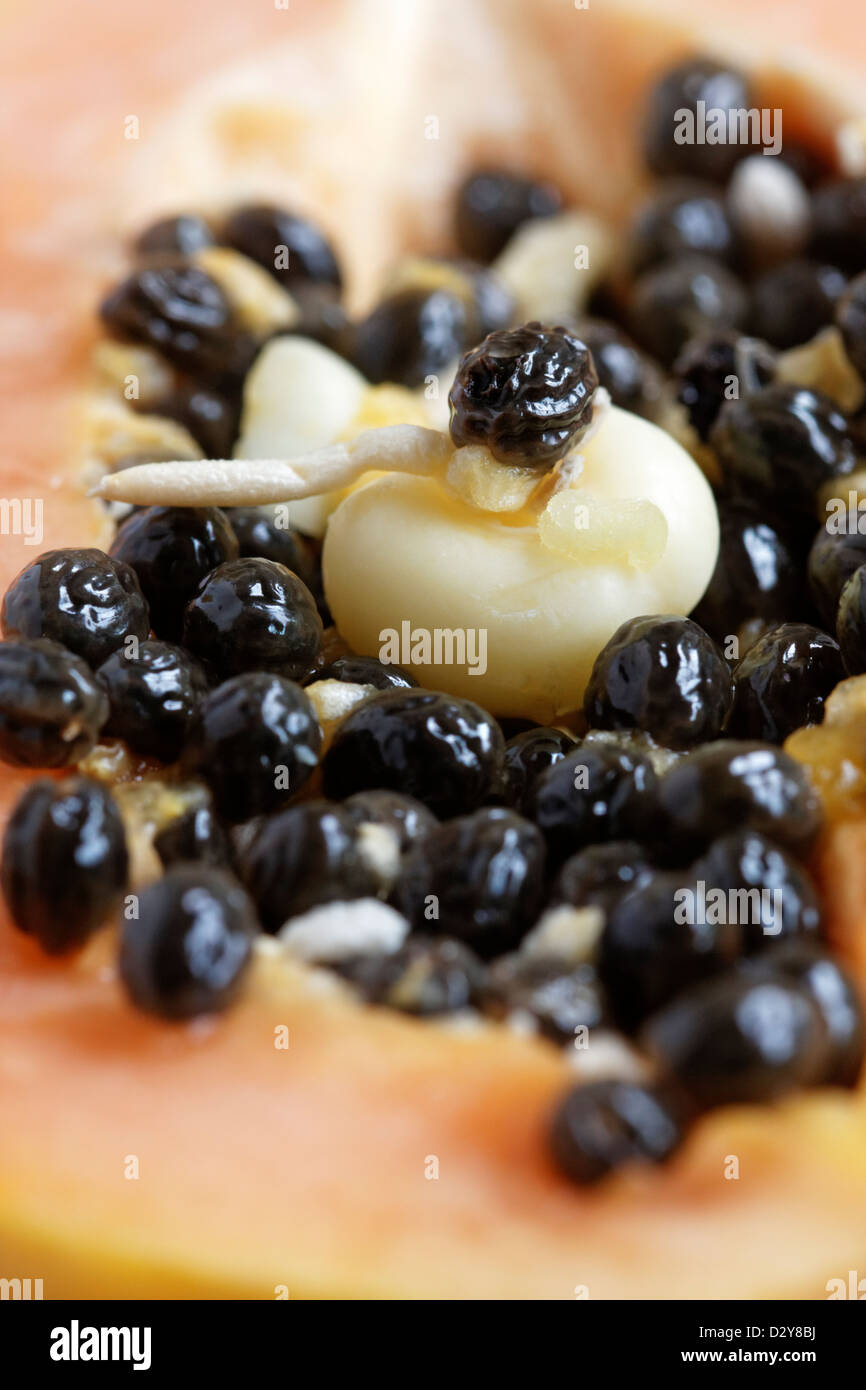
(375, 1156)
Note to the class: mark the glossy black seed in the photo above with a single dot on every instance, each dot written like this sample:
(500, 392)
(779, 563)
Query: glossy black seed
(594, 794)
(834, 993)
(153, 694)
(631, 378)
(183, 313)
(305, 857)
(409, 336)
(51, 707)
(735, 1040)
(482, 875)
(838, 549)
(189, 948)
(782, 443)
(255, 740)
(172, 549)
(732, 785)
(851, 321)
(291, 248)
(560, 999)
(366, 670)
(84, 599)
(657, 941)
(839, 223)
(424, 977)
(259, 534)
(695, 85)
(851, 622)
(526, 393)
(212, 417)
(64, 861)
(600, 875)
(682, 298)
(782, 682)
(794, 301)
(664, 676)
(182, 235)
(445, 751)
(757, 575)
(710, 367)
(493, 203)
(526, 757)
(683, 217)
(409, 820)
(253, 615)
(755, 870)
(605, 1125)
(194, 836)
(488, 303)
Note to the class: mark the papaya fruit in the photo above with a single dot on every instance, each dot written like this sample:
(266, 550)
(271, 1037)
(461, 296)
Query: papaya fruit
(303, 1145)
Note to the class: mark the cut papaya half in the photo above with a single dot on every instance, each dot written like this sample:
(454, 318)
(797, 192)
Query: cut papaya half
(302, 1145)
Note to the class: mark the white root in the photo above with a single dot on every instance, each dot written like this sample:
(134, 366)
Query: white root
(254, 482)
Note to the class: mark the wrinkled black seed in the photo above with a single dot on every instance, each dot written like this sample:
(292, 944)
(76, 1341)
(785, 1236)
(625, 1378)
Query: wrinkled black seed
(782, 682)
(526, 393)
(188, 950)
(409, 336)
(445, 751)
(594, 794)
(479, 878)
(708, 367)
(691, 86)
(88, 601)
(758, 573)
(183, 313)
(767, 890)
(527, 755)
(153, 694)
(681, 299)
(305, 857)
(255, 740)
(782, 443)
(171, 550)
(663, 675)
(64, 861)
(253, 615)
(291, 248)
(493, 203)
(51, 707)
(731, 785)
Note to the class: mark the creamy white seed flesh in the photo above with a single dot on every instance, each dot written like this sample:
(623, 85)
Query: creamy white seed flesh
(506, 609)
(339, 930)
(401, 550)
(299, 397)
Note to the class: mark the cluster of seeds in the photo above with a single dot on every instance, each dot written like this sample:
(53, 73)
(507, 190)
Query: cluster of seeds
(438, 859)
